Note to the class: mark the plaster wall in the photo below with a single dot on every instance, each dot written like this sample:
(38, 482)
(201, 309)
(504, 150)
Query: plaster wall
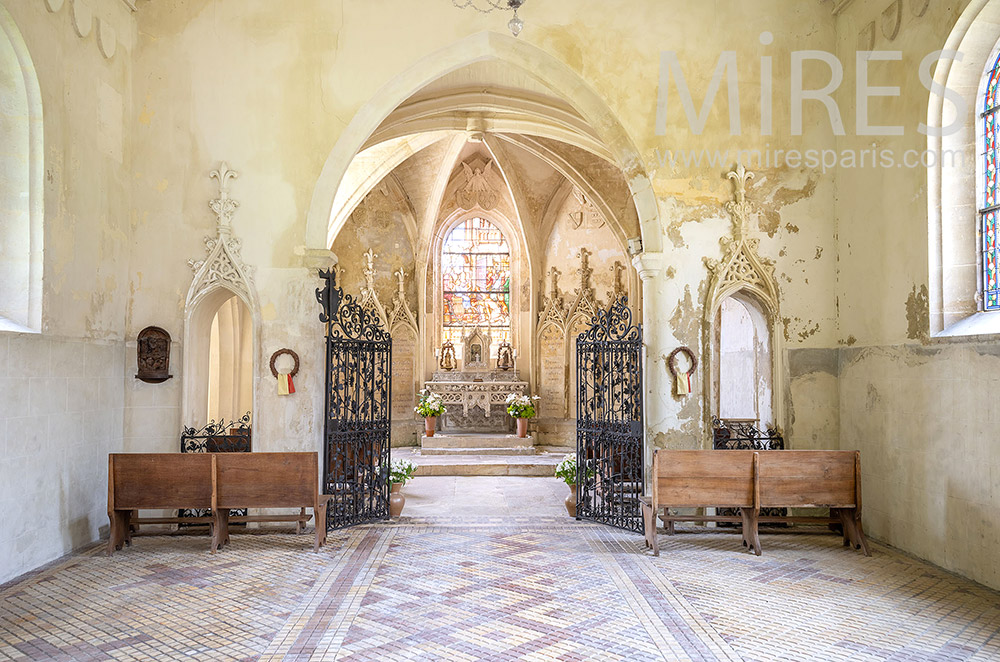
(61, 390)
(919, 409)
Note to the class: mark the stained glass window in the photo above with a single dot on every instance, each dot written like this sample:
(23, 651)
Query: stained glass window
(475, 270)
(991, 201)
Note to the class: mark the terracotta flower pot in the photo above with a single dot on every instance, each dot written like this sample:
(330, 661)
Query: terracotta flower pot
(522, 428)
(571, 500)
(430, 422)
(396, 500)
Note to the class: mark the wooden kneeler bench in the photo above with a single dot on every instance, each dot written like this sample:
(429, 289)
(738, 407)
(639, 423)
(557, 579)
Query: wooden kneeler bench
(216, 481)
(751, 480)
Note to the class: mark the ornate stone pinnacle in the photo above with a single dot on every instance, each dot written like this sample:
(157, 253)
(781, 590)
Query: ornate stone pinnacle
(584, 270)
(740, 208)
(223, 206)
(370, 270)
(400, 275)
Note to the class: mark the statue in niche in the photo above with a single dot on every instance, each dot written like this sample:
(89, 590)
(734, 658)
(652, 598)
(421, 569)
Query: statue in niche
(476, 353)
(505, 356)
(448, 361)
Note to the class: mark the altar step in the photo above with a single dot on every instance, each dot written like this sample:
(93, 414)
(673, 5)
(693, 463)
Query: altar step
(477, 444)
(542, 463)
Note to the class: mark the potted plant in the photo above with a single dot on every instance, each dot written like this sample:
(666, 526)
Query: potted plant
(521, 407)
(566, 472)
(400, 471)
(430, 407)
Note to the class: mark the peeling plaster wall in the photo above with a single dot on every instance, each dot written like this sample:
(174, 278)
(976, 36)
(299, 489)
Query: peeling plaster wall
(921, 411)
(61, 390)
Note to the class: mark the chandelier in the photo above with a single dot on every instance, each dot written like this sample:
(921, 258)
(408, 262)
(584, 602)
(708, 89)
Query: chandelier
(487, 6)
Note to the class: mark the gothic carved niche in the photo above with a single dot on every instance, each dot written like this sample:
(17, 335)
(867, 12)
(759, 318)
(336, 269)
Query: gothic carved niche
(586, 216)
(741, 267)
(369, 297)
(223, 266)
(478, 191)
(153, 355)
(741, 271)
(585, 304)
(476, 350)
(399, 311)
(553, 309)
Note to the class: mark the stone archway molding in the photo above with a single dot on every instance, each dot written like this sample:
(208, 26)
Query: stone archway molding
(482, 46)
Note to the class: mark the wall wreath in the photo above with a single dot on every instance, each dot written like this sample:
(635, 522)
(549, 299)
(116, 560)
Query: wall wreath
(295, 357)
(673, 355)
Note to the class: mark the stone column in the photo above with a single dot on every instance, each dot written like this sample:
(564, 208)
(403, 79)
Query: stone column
(649, 267)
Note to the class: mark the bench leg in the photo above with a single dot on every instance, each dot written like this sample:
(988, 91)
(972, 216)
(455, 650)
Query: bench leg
(319, 515)
(854, 535)
(116, 536)
(220, 529)
(648, 524)
(300, 524)
(751, 537)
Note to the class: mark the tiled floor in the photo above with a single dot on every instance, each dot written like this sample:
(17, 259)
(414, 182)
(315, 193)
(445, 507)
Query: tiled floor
(492, 569)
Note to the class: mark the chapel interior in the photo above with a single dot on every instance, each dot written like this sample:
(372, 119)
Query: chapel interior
(264, 227)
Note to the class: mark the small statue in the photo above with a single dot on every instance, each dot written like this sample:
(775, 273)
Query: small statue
(448, 361)
(505, 356)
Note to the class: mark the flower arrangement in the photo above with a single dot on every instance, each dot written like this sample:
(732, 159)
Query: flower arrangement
(401, 470)
(566, 470)
(521, 406)
(430, 404)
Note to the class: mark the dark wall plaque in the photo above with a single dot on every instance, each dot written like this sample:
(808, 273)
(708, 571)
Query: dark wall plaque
(153, 349)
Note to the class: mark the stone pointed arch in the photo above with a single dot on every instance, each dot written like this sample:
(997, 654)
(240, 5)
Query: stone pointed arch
(744, 273)
(220, 275)
(542, 66)
(742, 269)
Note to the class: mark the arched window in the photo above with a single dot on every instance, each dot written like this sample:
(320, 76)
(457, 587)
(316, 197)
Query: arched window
(991, 200)
(475, 271)
(21, 195)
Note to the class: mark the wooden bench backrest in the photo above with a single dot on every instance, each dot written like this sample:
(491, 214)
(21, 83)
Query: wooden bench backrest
(159, 480)
(690, 479)
(267, 480)
(809, 478)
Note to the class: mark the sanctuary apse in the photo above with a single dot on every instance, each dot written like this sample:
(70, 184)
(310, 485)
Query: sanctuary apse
(513, 254)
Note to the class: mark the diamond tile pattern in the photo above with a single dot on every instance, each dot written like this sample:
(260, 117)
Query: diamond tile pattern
(495, 588)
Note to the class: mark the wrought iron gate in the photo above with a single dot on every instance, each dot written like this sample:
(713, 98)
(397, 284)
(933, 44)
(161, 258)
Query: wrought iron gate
(357, 419)
(609, 423)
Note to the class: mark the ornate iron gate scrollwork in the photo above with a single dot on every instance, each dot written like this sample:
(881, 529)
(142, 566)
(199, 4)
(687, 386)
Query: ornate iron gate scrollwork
(357, 420)
(609, 422)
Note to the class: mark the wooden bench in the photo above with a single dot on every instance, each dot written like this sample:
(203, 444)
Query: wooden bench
(167, 481)
(751, 480)
(267, 480)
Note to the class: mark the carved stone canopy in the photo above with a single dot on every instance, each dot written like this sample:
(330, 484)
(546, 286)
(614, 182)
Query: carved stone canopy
(223, 265)
(476, 350)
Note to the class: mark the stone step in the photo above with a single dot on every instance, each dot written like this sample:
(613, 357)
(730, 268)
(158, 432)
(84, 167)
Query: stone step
(542, 464)
(476, 441)
(506, 450)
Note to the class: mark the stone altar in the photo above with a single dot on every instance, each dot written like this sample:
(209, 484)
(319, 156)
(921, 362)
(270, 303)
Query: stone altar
(476, 400)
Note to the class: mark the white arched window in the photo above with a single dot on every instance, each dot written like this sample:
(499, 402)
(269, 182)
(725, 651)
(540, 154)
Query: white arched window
(20, 194)
(475, 273)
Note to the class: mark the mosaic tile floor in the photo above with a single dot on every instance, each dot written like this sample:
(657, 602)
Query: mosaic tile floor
(534, 586)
